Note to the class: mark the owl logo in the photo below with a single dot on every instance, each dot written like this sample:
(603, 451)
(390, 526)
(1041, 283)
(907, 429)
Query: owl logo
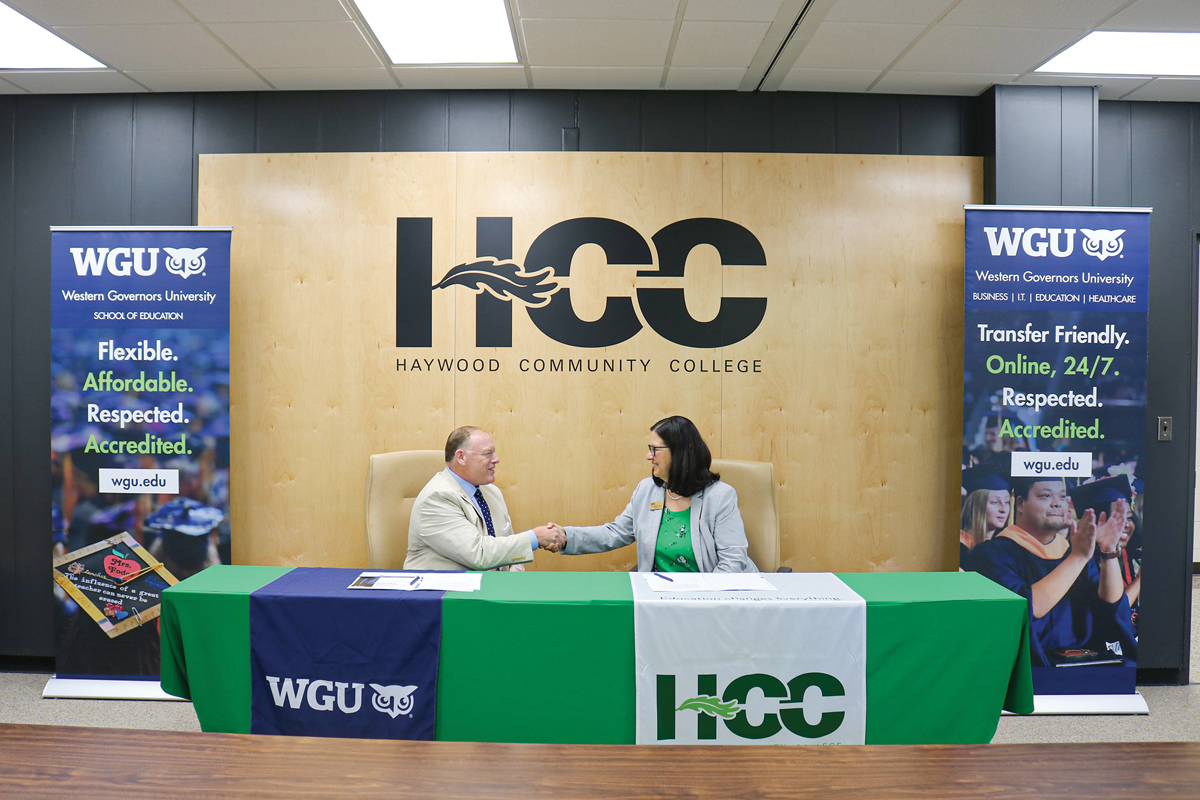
(1102, 244)
(393, 700)
(185, 261)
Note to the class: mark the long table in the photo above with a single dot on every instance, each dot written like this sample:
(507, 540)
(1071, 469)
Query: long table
(945, 653)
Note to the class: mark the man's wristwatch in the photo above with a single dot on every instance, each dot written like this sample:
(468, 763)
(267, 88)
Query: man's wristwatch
(1110, 556)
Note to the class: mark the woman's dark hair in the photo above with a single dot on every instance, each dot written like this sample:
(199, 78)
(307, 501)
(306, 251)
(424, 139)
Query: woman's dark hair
(690, 456)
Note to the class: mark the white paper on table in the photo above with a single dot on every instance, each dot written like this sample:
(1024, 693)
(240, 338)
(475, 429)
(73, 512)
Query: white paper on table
(417, 581)
(707, 582)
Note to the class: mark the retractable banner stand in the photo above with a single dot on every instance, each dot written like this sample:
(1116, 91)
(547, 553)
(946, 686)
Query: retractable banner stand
(1054, 402)
(140, 441)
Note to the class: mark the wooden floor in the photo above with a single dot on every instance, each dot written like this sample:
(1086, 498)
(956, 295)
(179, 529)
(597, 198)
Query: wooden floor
(110, 764)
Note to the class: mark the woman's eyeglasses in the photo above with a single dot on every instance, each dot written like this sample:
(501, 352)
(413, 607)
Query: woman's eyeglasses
(654, 450)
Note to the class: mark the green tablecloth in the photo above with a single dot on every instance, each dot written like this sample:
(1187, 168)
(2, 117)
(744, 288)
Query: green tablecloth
(945, 652)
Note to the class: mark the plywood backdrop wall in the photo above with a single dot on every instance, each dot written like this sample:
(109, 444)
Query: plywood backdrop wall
(857, 401)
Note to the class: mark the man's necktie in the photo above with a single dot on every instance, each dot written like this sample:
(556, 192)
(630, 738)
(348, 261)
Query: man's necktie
(487, 513)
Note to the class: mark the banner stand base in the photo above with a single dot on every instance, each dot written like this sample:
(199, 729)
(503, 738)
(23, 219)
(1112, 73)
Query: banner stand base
(81, 689)
(1047, 704)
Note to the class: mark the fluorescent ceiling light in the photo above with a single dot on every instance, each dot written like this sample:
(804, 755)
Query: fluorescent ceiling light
(441, 31)
(1129, 53)
(26, 45)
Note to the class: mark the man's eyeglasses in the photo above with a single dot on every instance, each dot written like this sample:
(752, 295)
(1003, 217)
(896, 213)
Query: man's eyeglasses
(654, 450)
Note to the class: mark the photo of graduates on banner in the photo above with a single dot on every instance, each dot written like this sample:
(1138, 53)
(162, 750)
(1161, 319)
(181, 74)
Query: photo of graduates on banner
(1054, 403)
(186, 532)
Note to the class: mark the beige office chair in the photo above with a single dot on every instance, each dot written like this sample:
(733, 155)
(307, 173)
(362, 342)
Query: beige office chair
(758, 502)
(393, 482)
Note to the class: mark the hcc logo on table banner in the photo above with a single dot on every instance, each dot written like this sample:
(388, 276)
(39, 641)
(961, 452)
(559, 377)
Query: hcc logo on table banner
(731, 706)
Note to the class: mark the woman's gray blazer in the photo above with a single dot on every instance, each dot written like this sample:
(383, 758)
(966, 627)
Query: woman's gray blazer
(718, 536)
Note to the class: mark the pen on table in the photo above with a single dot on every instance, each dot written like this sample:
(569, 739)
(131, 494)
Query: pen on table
(415, 580)
(664, 577)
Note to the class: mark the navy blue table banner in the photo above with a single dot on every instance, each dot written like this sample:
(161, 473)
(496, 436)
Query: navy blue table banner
(1054, 405)
(364, 667)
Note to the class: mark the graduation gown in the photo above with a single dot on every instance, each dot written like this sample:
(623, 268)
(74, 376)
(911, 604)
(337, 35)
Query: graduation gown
(1016, 561)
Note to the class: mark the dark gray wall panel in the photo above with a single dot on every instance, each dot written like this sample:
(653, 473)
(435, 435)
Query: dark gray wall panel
(162, 159)
(930, 126)
(738, 122)
(1028, 145)
(415, 122)
(1160, 170)
(804, 122)
(538, 118)
(868, 123)
(479, 121)
(103, 160)
(42, 181)
(1078, 145)
(1113, 164)
(351, 122)
(610, 121)
(223, 122)
(673, 121)
(9, 566)
(289, 122)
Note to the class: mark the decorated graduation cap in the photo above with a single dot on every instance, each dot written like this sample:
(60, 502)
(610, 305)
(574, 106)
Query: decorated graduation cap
(185, 515)
(1099, 495)
(986, 477)
(183, 523)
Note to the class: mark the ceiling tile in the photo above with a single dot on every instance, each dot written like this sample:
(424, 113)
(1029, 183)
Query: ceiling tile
(937, 83)
(61, 81)
(200, 80)
(599, 43)
(1077, 14)
(1156, 15)
(847, 45)
(298, 45)
(150, 46)
(955, 48)
(1110, 88)
(710, 78)
(800, 79)
(259, 11)
(718, 44)
(733, 10)
(462, 77)
(590, 9)
(920, 12)
(108, 12)
(1170, 89)
(297, 79)
(596, 77)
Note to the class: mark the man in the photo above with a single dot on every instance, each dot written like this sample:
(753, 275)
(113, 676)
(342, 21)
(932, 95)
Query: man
(459, 520)
(1076, 597)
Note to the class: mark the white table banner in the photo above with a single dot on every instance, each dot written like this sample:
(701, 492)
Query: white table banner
(781, 665)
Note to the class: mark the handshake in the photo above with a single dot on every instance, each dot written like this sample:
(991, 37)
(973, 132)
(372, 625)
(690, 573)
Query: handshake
(551, 537)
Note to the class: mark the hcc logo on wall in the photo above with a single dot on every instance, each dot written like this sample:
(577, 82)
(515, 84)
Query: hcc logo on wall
(499, 282)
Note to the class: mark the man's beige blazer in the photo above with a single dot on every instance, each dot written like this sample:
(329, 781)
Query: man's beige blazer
(446, 532)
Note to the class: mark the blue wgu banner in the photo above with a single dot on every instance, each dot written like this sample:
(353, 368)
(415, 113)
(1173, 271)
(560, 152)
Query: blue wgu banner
(1054, 401)
(140, 433)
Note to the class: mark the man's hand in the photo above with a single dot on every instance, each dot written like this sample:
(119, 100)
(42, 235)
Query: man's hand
(1083, 535)
(550, 537)
(1111, 528)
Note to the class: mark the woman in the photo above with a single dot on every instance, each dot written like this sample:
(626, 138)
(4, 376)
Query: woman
(984, 512)
(683, 518)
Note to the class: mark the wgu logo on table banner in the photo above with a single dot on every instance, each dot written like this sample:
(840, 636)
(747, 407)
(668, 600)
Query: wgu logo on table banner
(323, 695)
